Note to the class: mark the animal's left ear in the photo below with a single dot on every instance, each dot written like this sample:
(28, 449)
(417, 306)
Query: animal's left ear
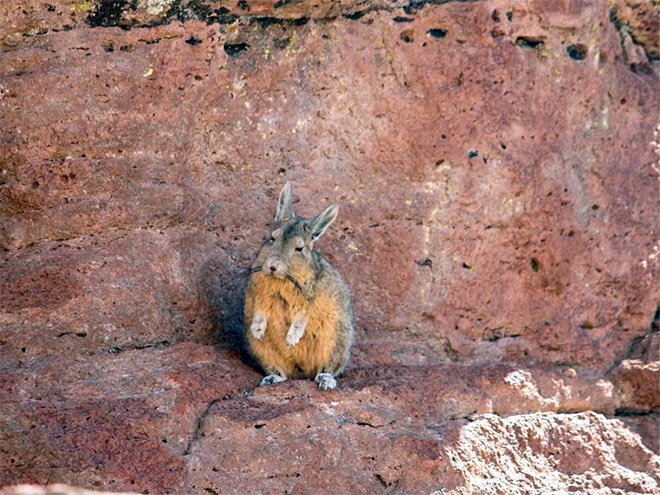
(284, 209)
(322, 221)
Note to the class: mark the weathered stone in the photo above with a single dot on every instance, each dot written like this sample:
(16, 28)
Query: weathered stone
(313, 448)
(496, 167)
(640, 386)
(56, 489)
(642, 19)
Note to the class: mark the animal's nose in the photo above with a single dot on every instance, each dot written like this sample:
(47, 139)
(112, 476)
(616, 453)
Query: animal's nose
(273, 268)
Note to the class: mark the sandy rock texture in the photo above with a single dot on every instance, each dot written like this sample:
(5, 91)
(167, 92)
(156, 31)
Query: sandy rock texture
(496, 164)
(55, 489)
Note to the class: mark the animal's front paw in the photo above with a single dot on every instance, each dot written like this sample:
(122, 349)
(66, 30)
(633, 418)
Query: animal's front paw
(326, 381)
(258, 327)
(270, 379)
(295, 333)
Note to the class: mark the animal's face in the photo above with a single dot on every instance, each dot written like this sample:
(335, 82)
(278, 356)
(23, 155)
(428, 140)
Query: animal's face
(288, 250)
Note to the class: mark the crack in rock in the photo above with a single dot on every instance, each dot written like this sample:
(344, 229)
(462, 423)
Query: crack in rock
(198, 432)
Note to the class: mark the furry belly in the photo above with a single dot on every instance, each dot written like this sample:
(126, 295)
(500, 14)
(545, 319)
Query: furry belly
(279, 301)
(305, 359)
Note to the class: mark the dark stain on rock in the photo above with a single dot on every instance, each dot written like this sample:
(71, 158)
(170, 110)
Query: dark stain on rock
(655, 320)
(416, 5)
(383, 481)
(107, 13)
(281, 3)
(641, 68)
(192, 10)
(407, 36)
(281, 44)
(243, 5)
(437, 32)
(400, 19)
(235, 49)
(577, 52)
(197, 10)
(193, 40)
(266, 21)
(425, 262)
(496, 32)
(529, 42)
(354, 16)
(224, 16)
(534, 264)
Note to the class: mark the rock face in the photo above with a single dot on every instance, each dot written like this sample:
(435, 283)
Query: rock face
(55, 489)
(496, 166)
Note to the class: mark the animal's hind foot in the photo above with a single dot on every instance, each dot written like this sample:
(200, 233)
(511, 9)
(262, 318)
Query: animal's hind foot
(270, 379)
(326, 381)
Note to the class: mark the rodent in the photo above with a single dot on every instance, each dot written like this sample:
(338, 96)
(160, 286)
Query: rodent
(298, 317)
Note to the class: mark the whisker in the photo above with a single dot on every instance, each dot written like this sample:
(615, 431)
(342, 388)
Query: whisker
(303, 291)
(246, 273)
(298, 285)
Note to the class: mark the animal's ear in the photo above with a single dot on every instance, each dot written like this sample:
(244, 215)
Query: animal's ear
(284, 207)
(322, 221)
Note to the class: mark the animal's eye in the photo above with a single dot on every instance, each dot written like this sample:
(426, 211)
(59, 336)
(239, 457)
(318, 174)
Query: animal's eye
(299, 249)
(272, 239)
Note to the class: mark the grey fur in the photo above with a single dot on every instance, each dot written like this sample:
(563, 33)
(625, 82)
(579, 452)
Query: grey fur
(333, 284)
(322, 221)
(270, 379)
(326, 381)
(292, 243)
(284, 205)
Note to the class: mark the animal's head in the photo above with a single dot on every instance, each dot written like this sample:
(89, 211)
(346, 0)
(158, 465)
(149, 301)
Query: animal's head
(288, 252)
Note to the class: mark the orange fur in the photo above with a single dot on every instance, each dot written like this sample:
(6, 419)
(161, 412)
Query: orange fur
(280, 302)
(304, 318)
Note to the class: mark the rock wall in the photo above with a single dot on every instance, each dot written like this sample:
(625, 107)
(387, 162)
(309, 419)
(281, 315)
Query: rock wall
(496, 164)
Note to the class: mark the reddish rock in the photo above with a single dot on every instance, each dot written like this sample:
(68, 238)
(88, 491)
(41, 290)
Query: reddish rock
(496, 167)
(121, 421)
(327, 446)
(640, 386)
(56, 489)
(642, 19)
(516, 254)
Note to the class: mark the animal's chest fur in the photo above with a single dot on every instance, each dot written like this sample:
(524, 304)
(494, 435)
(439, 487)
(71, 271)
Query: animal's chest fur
(281, 302)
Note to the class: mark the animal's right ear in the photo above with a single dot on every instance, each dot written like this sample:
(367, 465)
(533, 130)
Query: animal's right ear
(284, 206)
(322, 221)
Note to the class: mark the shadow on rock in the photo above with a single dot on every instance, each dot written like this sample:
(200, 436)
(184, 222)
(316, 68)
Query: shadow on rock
(224, 287)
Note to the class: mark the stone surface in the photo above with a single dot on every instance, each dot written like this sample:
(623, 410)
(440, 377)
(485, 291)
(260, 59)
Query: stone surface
(642, 20)
(56, 489)
(496, 166)
(186, 418)
(639, 384)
